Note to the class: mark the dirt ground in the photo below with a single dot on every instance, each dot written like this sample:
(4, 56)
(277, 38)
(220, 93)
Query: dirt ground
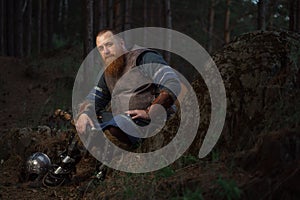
(20, 93)
(26, 93)
(271, 170)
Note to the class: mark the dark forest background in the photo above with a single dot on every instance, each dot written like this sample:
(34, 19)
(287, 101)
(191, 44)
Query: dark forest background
(255, 45)
(31, 27)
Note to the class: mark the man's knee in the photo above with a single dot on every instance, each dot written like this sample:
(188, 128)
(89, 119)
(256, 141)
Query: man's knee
(118, 138)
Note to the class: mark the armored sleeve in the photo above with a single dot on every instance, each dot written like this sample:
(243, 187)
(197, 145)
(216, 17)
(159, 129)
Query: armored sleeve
(99, 96)
(154, 66)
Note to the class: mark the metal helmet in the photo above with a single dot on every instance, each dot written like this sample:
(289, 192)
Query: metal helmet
(38, 163)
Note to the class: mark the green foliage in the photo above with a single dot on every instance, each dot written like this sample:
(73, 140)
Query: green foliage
(188, 160)
(190, 195)
(215, 155)
(55, 71)
(294, 55)
(58, 41)
(130, 186)
(129, 192)
(229, 189)
(285, 112)
(164, 173)
(128, 189)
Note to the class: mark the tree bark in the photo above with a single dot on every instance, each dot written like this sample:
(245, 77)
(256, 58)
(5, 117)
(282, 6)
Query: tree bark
(145, 13)
(291, 15)
(3, 35)
(11, 28)
(157, 17)
(39, 27)
(168, 14)
(59, 25)
(128, 13)
(50, 24)
(210, 28)
(168, 18)
(271, 4)
(298, 16)
(261, 15)
(89, 36)
(103, 13)
(19, 47)
(153, 12)
(110, 14)
(44, 25)
(60, 11)
(1, 27)
(96, 15)
(100, 18)
(227, 23)
(28, 28)
(145, 18)
(66, 15)
(119, 13)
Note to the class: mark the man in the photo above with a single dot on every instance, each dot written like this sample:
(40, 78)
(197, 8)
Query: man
(140, 64)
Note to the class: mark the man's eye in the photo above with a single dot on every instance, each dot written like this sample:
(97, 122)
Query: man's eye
(109, 44)
(100, 48)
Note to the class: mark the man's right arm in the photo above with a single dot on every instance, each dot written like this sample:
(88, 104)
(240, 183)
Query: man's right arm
(95, 102)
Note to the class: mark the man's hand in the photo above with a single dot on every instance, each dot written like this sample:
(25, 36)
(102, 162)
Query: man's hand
(82, 122)
(135, 114)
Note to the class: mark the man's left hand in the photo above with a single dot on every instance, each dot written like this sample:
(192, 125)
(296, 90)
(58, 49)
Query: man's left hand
(135, 114)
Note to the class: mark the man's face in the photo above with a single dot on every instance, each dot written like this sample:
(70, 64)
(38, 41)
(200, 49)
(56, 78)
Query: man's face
(110, 47)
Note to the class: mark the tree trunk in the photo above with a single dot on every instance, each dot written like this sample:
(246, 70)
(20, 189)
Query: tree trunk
(291, 15)
(39, 27)
(271, 5)
(59, 25)
(168, 38)
(110, 14)
(89, 36)
(100, 18)
(168, 14)
(96, 16)
(119, 15)
(153, 12)
(28, 28)
(128, 13)
(65, 18)
(44, 25)
(298, 16)
(50, 23)
(103, 13)
(145, 16)
(11, 29)
(157, 17)
(261, 15)
(19, 47)
(210, 28)
(145, 13)
(227, 23)
(3, 34)
(60, 11)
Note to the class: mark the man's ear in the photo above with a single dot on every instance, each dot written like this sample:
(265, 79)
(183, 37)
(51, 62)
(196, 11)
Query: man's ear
(122, 42)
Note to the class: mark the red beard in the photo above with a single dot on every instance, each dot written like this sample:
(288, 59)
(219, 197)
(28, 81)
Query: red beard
(114, 71)
(116, 68)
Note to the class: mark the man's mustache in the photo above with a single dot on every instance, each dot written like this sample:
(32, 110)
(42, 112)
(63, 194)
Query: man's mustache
(106, 57)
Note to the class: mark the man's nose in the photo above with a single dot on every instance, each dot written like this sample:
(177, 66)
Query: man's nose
(106, 50)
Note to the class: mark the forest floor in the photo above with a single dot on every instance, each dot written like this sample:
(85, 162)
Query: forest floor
(31, 93)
